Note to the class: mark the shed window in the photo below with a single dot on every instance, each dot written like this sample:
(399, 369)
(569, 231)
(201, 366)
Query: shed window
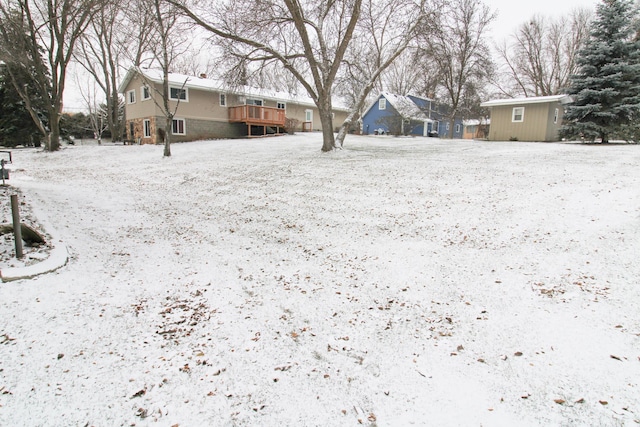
(382, 104)
(518, 114)
(458, 128)
(555, 116)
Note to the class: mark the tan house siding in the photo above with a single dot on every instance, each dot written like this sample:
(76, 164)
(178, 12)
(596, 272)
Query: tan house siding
(534, 127)
(202, 113)
(539, 123)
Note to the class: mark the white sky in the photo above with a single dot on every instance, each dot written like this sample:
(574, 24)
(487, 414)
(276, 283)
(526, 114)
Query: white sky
(512, 13)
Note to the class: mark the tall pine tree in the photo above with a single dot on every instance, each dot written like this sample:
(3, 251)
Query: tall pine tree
(606, 89)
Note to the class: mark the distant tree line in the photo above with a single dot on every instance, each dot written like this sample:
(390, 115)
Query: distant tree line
(440, 49)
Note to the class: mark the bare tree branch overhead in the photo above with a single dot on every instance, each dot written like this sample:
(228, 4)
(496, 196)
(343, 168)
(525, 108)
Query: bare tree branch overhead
(40, 36)
(312, 40)
(540, 56)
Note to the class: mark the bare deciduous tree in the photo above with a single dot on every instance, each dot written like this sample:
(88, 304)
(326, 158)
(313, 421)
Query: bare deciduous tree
(167, 42)
(98, 116)
(457, 50)
(101, 53)
(310, 39)
(541, 55)
(41, 36)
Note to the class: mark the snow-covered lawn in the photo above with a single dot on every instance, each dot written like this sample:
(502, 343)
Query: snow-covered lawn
(262, 283)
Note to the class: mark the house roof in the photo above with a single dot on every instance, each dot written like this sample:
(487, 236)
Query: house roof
(476, 122)
(562, 99)
(214, 85)
(404, 105)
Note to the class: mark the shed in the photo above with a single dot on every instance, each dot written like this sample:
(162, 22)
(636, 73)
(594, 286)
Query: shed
(526, 119)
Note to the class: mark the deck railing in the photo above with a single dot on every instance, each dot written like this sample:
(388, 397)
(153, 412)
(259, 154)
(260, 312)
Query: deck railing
(257, 115)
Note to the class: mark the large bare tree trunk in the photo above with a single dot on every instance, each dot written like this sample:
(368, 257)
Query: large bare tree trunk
(328, 137)
(311, 39)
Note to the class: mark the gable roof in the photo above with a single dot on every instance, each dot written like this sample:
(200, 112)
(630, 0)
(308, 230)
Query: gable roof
(214, 85)
(404, 105)
(562, 99)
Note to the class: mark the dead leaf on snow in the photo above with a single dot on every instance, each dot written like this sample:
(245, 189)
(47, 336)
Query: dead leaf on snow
(559, 401)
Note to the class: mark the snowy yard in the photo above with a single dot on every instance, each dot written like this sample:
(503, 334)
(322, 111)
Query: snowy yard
(260, 282)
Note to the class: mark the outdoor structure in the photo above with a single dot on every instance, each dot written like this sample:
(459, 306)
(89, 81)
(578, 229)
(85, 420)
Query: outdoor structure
(475, 129)
(526, 119)
(207, 109)
(408, 115)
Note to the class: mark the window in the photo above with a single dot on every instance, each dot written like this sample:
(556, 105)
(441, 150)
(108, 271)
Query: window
(382, 104)
(457, 128)
(147, 128)
(447, 126)
(178, 93)
(177, 127)
(436, 126)
(518, 114)
(145, 92)
(282, 106)
(253, 101)
(131, 97)
(223, 99)
(555, 116)
(308, 115)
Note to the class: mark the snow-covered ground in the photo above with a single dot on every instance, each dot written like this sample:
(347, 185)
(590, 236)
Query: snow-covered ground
(396, 282)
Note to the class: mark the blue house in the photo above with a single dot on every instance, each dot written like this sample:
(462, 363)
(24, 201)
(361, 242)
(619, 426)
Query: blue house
(408, 115)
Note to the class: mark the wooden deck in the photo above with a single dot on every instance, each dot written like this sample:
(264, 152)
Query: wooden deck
(257, 115)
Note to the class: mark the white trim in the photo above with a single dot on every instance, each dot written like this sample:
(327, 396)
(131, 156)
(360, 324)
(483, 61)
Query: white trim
(260, 100)
(563, 99)
(146, 126)
(517, 112)
(184, 126)
(142, 93)
(155, 76)
(186, 93)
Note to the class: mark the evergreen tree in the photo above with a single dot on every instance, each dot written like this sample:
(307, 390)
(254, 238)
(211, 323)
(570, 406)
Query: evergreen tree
(606, 88)
(16, 125)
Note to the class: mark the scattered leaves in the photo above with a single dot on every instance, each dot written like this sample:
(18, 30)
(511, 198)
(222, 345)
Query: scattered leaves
(139, 393)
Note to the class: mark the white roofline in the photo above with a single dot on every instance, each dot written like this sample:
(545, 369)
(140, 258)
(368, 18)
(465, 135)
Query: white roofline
(201, 83)
(562, 99)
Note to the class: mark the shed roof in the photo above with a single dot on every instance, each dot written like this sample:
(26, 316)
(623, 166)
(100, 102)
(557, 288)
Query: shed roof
(562, 99)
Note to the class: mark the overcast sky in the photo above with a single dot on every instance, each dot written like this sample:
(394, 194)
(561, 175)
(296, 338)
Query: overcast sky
(512, 13)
